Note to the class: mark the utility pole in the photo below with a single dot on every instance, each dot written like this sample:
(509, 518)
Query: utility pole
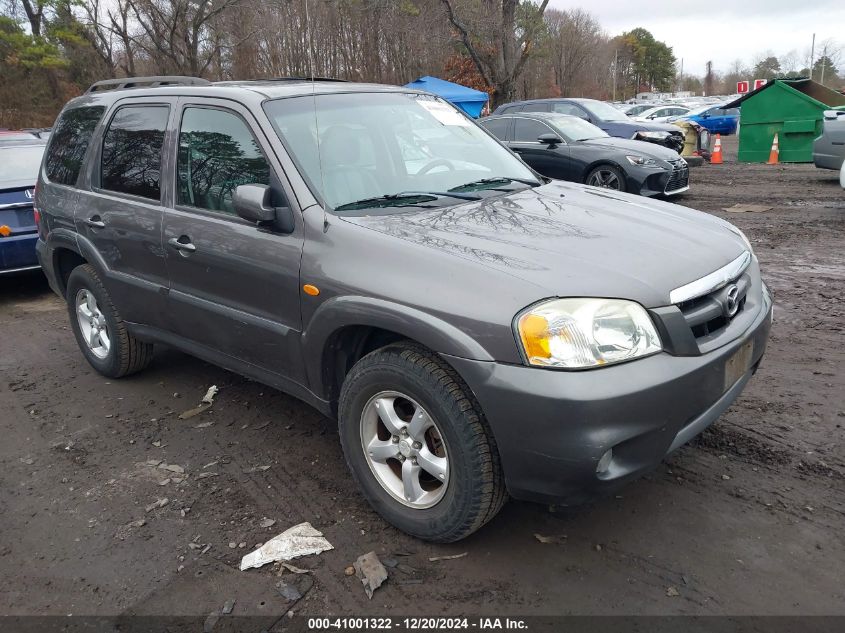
(812, 54)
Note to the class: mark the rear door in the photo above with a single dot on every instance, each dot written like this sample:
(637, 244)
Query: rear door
(554, 163)
(234, 286)
(120, 213)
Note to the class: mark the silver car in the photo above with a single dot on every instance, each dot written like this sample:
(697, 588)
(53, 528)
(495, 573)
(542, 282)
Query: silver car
(829, 148)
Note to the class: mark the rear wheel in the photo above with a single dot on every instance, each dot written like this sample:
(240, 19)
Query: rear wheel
(608, 177)
(99, 329)
(418, 445)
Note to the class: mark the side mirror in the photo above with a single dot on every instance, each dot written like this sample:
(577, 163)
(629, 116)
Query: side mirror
(549, 139)
(651, 116)
(254, 204)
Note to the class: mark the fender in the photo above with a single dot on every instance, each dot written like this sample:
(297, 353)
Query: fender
(344, 311)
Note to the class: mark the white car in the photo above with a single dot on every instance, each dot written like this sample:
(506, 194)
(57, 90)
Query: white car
(660, 114)
(842, 176)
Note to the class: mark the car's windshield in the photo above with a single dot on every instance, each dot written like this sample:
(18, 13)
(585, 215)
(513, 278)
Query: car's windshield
(19, 165)
(574, 128)
(353, 147)
(603, 111)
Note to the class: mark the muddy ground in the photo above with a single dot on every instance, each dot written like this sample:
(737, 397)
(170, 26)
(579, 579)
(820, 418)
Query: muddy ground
(746, 520)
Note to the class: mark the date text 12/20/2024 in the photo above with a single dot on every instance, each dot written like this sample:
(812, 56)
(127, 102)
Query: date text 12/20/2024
(416, 624)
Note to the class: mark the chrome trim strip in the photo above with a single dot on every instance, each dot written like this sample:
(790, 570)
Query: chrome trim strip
(18, 270)
(675, 191)
(711, 282)
(15, 205)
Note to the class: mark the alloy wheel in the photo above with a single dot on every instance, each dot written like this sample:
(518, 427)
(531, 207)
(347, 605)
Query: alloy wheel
(404, 449)
(605, 178)
(92, 324)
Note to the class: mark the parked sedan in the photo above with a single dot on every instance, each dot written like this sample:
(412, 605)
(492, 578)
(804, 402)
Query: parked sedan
(661, 114)
(569, 148)
(715, 118)
(829, 148)
(19, 165)
(606, 117)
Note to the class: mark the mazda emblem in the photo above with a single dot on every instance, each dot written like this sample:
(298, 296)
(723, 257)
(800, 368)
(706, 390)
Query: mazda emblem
(731, 301)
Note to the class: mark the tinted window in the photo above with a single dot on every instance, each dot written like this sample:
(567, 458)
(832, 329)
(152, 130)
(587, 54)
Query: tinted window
(497, 127)
(217, 152)
(528, 130)
(69, 142)
(512, 109)
(569, 108)
(537, 107)
(131, 161)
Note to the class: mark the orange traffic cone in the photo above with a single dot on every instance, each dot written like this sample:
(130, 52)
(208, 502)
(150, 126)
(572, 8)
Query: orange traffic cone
(716, 156)
(774, 155)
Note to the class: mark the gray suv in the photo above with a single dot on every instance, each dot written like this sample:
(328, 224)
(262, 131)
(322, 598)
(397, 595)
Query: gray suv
(477, 330)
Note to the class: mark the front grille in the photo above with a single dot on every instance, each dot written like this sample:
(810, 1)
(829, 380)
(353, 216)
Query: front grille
(679, 179)
(706, 316)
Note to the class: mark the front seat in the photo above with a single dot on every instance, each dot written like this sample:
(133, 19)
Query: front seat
(344, 179)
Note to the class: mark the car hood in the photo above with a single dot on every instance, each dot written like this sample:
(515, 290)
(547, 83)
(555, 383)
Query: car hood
(650, 126)
(652, 150)
(572, 240)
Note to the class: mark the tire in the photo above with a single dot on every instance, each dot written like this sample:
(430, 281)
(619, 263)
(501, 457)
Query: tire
(124, 354)
(474, 489)
(607, 172)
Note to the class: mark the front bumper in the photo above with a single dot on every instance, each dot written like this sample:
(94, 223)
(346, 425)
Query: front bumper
(552, 427)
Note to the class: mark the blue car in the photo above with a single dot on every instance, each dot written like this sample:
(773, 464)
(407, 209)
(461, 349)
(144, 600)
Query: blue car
(714, 118)
(19, 164)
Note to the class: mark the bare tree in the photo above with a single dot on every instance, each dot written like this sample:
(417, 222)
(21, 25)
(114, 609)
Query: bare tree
(497, 42)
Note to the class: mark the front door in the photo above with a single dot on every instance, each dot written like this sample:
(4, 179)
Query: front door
(234, 286)
(551, 161)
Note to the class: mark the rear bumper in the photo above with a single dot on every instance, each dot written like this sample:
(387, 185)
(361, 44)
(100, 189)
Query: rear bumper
(45, 258)
(553, 427)
(17, 253)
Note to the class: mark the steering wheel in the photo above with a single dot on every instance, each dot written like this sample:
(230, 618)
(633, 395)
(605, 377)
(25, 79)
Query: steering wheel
(437, 162)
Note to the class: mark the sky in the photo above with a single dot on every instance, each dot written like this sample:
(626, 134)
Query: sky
(723, 30)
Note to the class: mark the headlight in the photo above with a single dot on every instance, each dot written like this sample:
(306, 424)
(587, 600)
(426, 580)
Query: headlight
(581, 333)
(642, 161)
(656, 136)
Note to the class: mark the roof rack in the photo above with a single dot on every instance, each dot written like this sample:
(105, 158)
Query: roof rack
(125, 83)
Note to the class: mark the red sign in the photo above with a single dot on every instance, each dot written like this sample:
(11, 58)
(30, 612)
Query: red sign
(742, 87)
(759, 83)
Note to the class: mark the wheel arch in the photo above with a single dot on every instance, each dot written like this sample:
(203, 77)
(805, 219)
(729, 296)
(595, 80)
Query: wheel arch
(345, 329)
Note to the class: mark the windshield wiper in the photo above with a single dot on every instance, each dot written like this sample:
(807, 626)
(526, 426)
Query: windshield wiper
(403, 199)
(495, 181)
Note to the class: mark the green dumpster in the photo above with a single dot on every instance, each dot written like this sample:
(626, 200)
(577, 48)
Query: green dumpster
(791, 108)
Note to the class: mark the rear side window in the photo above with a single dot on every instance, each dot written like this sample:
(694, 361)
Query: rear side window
(131, 160)
(69, 142)
(497, 127)
(217, 152)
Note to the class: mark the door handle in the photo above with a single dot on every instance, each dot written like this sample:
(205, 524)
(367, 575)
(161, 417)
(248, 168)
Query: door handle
(95, 222)
(182, 243)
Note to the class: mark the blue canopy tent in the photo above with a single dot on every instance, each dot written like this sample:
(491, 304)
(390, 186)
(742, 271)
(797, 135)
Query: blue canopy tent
(469, 100)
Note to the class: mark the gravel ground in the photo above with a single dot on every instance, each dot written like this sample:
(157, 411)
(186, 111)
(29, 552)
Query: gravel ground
(745, 520)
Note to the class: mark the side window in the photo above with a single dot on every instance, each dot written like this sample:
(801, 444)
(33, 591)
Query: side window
(131, 161)
(569, 108)
(528, 130)
(217, 152)
(69, 142)
(537, 107)
(497, 127)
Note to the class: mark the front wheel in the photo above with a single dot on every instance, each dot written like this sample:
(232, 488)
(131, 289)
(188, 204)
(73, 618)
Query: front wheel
(607, 177)
(418, 444)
